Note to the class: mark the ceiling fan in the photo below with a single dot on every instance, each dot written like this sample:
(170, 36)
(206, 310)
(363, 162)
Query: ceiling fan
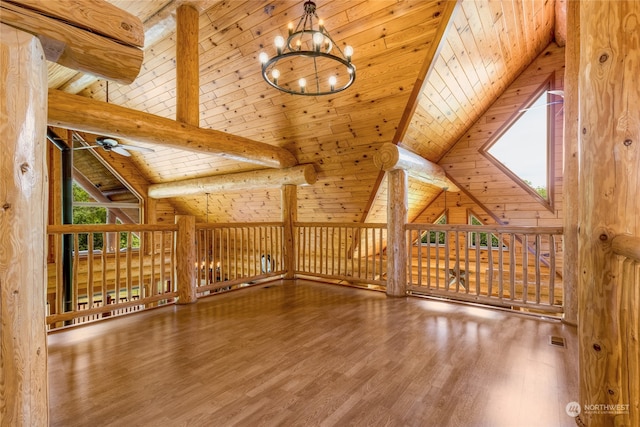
(559, 93)
(112, 144)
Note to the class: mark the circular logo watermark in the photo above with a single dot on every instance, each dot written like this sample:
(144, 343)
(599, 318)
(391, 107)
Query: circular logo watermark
(573, 409)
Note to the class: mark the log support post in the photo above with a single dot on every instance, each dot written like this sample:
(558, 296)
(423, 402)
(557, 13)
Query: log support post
(289, 217)
(186, 259)
(570, 174)
(187, 66)
(609, 200)
(397, 207)
(23, 219)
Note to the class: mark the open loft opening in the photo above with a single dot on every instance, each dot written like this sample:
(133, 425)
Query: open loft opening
(382, 215)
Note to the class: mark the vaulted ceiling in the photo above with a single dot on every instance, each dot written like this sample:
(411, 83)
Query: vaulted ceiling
(422, 81)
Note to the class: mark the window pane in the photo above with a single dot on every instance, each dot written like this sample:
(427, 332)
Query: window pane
(523, 147)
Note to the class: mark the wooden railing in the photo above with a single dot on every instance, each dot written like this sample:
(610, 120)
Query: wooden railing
(523, 272)
(100, 282)
(346, 252)
(233, 255)
(627, 250)
(521, 269)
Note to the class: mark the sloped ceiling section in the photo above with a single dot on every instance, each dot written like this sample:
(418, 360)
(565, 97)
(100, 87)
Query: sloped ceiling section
(488, 45)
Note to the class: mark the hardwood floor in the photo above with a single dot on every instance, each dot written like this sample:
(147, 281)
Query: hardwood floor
(310, 354)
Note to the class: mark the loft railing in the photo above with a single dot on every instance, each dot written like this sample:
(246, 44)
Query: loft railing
(112, 269)
(627, 251)
(502, 266)
(233, 255)
(352, 253)
(522, 269)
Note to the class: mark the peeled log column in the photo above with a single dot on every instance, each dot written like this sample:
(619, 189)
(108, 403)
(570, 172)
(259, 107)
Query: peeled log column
(570, 176)
(187, 66)
(609, 200)
(23, 218)
(397, 206)
(186, 259)
(391, 157)
(299, 175)
(289, 217)
(88, 115)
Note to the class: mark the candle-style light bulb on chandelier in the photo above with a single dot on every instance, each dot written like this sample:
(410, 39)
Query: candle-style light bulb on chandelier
(308, 62)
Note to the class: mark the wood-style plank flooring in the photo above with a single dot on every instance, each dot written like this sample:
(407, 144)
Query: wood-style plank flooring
(310, 354)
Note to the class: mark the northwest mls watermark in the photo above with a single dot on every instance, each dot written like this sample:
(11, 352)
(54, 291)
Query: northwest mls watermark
(574, 409)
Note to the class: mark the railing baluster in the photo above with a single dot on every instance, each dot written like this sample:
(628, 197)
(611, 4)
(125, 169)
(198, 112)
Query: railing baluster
(90, 270)
(456, 267)
(552, 268)
(141, 242)
(419, 259)
(420, 234)
(76, 268)
(163, 278)
(490, 263)
(525, 267)
(478, 264)
(500, 266)
(537, 267)
(366, 253)
(512, 266)
(129, 264)
(467, 275)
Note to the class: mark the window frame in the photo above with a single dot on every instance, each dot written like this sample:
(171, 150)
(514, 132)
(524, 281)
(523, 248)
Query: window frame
(546, 86)
(471, 235)
(444, 214)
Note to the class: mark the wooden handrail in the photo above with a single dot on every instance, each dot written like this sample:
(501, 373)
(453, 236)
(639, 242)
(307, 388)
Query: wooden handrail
(341, 224)
(485, 228)
(627, 246)
(108, 228)
(54, 318)
(203, 226)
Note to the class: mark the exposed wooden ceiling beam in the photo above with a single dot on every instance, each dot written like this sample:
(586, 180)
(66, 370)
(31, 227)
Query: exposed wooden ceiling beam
(69, 36)
(156, 28)
(391, 157)
(113, 22)
(266, 178)
(97, 117)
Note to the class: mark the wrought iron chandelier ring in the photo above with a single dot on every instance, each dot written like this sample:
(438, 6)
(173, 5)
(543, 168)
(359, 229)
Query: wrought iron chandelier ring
(306, 54)
(268, 66)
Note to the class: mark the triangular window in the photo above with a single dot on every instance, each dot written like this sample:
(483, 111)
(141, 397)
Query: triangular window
(436, 237)
(523, 148)
(482, 238)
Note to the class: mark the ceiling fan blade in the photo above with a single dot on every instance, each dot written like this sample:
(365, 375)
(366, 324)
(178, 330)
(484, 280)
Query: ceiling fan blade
(86, 147)
(121, 151)
(539, 106)
(137, 148)
(556, 92)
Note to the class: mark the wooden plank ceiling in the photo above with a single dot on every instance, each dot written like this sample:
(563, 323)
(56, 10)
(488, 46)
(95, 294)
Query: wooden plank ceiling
(486, 46)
